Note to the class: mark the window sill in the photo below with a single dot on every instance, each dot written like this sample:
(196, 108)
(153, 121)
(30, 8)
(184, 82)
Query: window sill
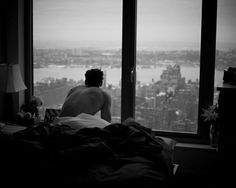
(186, 138)
(195, 146)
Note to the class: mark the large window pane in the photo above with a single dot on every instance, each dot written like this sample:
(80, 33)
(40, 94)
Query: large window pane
(71, 36)
(225, 39)
(168, 64)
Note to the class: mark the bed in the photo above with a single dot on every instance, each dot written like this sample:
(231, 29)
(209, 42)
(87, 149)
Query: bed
(113, 155)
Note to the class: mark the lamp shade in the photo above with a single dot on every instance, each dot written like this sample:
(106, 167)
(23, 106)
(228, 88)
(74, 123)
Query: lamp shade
(11, 79)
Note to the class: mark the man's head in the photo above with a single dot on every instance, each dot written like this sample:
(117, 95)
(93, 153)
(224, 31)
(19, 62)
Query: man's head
(93, 78)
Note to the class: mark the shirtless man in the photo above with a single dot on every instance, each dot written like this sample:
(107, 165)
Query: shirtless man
(88, 98)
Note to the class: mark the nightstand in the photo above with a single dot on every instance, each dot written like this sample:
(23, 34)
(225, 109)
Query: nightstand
(227, 114)
(227, 131)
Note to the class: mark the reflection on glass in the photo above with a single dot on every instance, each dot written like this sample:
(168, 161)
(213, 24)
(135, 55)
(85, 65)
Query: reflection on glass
(168, 64)
(71, 36)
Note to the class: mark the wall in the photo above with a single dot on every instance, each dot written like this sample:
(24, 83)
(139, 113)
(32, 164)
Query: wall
(11, 49)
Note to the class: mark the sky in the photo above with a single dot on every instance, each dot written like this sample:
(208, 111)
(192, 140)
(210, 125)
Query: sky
(226, 23)
(77, 19)
(158, 21)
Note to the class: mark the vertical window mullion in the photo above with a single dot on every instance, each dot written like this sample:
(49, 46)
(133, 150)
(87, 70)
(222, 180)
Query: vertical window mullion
(29, 48)
(207, 60)
(128, 59)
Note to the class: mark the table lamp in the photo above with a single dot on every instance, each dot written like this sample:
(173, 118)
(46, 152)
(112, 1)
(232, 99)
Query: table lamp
(10, 82)
(11, 79)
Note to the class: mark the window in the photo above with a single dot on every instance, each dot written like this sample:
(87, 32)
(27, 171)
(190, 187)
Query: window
(125, 63)
(70, 37)
(168, 64)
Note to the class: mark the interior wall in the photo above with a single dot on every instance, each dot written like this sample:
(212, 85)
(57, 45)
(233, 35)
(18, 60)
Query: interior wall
(2, 48)
(11, 49)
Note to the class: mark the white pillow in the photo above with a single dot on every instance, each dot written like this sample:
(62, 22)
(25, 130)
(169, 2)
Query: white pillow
(81, 121)
(92, 120)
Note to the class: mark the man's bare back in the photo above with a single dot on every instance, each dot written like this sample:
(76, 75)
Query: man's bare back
(90, 100)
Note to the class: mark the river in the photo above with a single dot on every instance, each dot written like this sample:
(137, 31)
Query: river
(144, 75)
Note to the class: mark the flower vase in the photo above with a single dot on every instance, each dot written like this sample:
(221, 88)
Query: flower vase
(214, 135)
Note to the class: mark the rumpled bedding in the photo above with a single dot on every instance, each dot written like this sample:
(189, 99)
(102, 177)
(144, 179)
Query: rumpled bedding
(117, 155)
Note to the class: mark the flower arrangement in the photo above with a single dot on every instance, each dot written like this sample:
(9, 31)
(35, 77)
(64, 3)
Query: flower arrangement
(211, 114)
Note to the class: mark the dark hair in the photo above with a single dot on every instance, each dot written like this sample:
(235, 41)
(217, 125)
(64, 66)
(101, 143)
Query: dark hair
(93, 78)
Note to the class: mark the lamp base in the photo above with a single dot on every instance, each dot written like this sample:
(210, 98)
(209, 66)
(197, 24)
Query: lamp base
(10, 107)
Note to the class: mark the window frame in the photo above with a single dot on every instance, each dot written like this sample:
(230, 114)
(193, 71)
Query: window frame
(28, 41)
(129, 30)
(207, 67)
(128, 76)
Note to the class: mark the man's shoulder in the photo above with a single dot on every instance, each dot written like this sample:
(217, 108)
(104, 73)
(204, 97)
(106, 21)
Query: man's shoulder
(100, 90)
(76, 88)
(96, 90)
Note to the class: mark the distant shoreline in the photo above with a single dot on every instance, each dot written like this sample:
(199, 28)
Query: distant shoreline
(157, 46)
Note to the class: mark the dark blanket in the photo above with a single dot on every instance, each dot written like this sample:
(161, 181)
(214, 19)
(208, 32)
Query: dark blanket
(117, 155)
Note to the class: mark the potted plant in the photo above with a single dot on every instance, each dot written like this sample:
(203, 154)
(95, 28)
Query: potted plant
(211, 116)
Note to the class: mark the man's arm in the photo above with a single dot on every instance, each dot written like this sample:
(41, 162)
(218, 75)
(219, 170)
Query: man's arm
(106, 109)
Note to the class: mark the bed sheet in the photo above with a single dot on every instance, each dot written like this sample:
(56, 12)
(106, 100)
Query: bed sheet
(117, 155)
